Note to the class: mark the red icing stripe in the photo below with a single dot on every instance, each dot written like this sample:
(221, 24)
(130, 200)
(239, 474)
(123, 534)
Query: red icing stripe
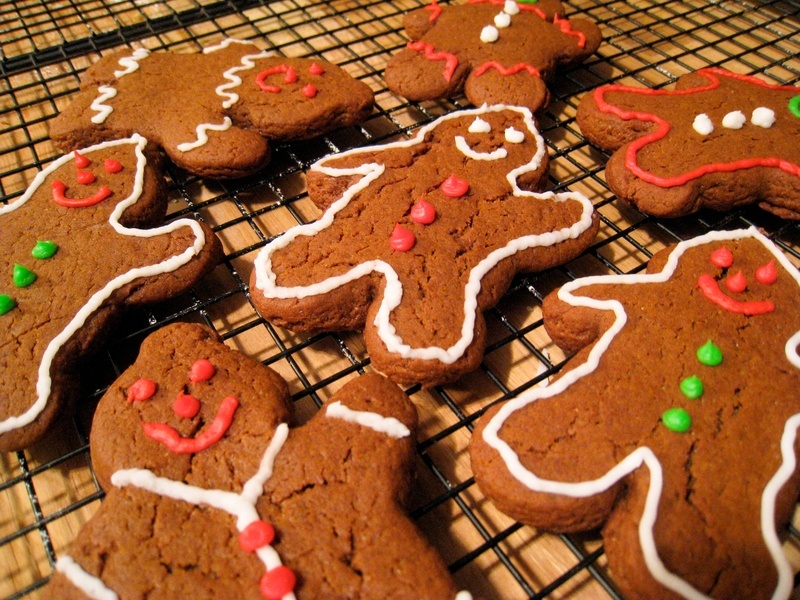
(493, 64)
(566, 28)
(710, 288)
(167, 435)
(712, 74)
(451, 62)
(435, 11)
(59, 188)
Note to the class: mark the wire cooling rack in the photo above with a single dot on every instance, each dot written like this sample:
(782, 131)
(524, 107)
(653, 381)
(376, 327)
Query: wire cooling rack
(48, 491)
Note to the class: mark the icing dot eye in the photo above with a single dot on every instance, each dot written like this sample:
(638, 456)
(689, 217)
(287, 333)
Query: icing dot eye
(201, 370)
(44, 249)
(794, 106)
(291, 75)
(489, 34)
(454, 187)
(256, 535)
(23, 276)
(401, 239)
(676, 419)
(737, 283)
(514, 136)
(734, 120)
(277, 582)
(692, 387)
(309, 90)
(112, 166)
(85, 177)
(767, 274)
(186, 406)
(141, 390)
(709, 354)
(763, 117)
(315, 69)
(502, 20)
(7, 304)
(702, 124)
(423, 212)
(722, 258)
(81, 162)
(479, 126)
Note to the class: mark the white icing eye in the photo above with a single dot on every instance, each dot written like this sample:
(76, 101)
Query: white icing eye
(763, 117)
(479, 126)
(702, 124)
(489, 34)
(510, 7)
(514, 136)
(734, 120)
(502, 20)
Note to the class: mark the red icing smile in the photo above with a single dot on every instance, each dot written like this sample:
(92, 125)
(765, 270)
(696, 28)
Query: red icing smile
(60, 198)
(167, 435)
(712, 291)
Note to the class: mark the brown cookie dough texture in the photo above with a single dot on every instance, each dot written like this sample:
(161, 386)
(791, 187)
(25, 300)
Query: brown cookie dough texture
(691, 512)
(172, 524)
(421, 305)
(495, 51)
(213, 112)
(84, 242)
(718, 140)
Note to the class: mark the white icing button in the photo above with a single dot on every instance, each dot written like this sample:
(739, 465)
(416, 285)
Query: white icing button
(734, 120)
(514, 137)
(763, 117)
(502, 20)
(489, 34)
(702, 124)
(479, 126)
(510, 7)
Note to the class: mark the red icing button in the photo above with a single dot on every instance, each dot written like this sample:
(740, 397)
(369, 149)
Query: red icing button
(256, 535)
(85, 177)
(402, 239)
(186, 406)
(141, 390)
(767, 274)
(278, 582)
(112, 166)
(202, 370)
(309, 91)
(291, 75)
(736, 283)
(455, 187)
(722, 258)
(81, 162)
(315, 69)
(423, 212)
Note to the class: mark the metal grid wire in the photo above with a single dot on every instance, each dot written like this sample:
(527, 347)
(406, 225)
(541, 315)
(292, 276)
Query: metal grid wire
(47, 492)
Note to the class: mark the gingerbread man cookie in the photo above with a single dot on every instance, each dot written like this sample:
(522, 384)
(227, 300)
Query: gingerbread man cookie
(675, 425)
(495, 51)
(80, 245)
(718, 140)
(211, 494)
(419, 238)
(212, 113)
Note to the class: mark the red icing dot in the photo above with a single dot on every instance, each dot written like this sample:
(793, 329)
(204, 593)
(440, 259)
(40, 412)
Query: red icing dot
(278, 582)
(186, 406)
(736, 283)
(112, 166)
(256, 535)
(81, 162)
(455, 187)
(315, 69)
(722, 257)
(767, 274)
(291, 75)
(85, 177)
(309, 91)
(202, 370)
(141, 390)
(401, 239)
(423, 212)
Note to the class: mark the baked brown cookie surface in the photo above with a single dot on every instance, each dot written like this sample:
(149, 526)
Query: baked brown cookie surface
(718, 140)
(82, 243)
(495, 51)
(211, 495)
(213, 112)
(419, 238)
(673, 427)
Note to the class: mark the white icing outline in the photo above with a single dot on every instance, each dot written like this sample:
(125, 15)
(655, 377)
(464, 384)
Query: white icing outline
(464, 148)
(234, 80)
(266, 279)
(103, 110)
(92, 586)
(643, 454)
(202, 134)
(387, 425)
(131, 63)
(44, 383)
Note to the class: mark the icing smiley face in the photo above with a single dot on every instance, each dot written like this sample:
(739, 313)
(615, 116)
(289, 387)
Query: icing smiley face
(480, 128)
(85, 178)
(289, 76)
(736, 283)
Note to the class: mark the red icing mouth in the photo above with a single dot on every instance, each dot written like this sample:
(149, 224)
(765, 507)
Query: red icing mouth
(167, 435)
(60, 198)
(711, 290)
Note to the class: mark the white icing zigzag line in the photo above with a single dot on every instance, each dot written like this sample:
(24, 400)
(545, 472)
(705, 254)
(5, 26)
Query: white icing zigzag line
(644, 455)
(131, 63)
(44, 383)
(92, 586)
(231, 74)
(265, 278)
(202, 135)
(106, 93)
(388, 425)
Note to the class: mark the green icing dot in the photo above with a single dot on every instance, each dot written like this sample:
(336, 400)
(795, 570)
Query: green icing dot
(709, 354)
(23, 276)
(676, 419)
(6, 303)
(692, 387)
(794, 106)
(44, 249)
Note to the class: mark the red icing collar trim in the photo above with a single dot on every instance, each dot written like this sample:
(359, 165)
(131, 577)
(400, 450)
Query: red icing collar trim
(493, 64)
(59, 197)
(451, 62)
(710, 289)
(712, 74)
(167, 435)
